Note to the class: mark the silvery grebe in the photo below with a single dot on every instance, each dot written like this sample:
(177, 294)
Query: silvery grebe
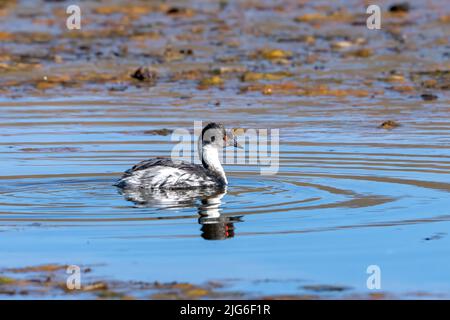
(164, 173)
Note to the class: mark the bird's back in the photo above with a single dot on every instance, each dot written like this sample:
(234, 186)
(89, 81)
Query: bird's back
(164, 173)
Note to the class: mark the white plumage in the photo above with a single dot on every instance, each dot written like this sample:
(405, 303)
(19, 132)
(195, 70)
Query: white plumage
(161, 173)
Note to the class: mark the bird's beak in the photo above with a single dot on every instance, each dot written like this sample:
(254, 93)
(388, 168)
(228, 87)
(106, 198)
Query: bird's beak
(232, 141)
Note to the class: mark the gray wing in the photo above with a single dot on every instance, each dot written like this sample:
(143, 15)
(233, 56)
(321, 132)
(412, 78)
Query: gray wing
(166, 173)
(164, 162)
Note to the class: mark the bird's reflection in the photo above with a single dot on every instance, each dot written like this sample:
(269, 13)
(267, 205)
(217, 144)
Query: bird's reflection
(215, 226)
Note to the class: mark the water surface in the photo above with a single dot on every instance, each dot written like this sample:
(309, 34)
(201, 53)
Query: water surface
(347, 195)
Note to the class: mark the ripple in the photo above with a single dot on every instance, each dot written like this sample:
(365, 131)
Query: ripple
(331, 200)
(357, 177)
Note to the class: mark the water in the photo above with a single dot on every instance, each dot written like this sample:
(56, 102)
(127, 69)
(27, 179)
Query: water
(338, 204)
(347, 194)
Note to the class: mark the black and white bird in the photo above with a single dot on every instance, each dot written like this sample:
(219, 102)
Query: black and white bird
(165, 173)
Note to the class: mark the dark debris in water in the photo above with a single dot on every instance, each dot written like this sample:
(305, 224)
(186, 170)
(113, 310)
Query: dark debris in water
(436, 236)
(145, 74)
(389, 124)
(400, 7)
(325, 288)
(159, 132)
(153, 132)
(428, 96)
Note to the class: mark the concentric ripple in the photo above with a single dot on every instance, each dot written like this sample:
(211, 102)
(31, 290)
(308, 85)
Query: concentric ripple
(61, 172)
(343, 185)
(290, 202)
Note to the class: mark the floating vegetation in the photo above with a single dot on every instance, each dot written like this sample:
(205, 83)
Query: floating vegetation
(360, 53)
(255, 76)
(145, 74)
(210, 82)
(274, 54)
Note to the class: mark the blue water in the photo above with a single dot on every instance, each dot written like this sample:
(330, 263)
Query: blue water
(333, 209)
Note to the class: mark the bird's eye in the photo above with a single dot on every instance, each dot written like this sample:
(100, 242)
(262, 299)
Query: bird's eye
(213, 138)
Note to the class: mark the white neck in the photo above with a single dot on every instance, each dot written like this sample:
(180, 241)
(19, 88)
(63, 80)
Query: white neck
(210, 158)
